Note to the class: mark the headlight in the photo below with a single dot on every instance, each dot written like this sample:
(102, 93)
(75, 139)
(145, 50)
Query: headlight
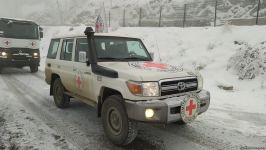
(143, 88)
(200, 81)
(150, 89)
(35, 54)
(149, 113)
(4, 53)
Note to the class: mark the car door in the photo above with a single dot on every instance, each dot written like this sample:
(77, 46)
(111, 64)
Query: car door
(51, 59)
(83, 74)
(66, 63)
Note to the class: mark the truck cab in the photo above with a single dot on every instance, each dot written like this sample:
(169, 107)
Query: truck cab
(118, 77)
(19, 44)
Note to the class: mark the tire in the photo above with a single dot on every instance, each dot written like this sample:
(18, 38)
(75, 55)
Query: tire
(180, 122)
(61, 100)
(34, 68)
(117, 127)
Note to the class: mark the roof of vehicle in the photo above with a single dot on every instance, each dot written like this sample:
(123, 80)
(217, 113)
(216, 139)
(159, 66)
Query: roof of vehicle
(82, 35)
(18, 20)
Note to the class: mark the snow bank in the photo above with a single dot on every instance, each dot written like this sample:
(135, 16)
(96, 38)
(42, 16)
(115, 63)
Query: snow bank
(205, 49)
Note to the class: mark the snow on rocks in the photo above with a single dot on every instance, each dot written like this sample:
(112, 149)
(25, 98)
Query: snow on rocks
(249, 61)
(225, 86)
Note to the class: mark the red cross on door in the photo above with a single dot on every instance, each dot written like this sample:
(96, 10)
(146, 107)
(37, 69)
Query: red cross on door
(191, 107)
(78, 81)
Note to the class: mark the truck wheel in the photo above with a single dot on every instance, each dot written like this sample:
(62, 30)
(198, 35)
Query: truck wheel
(118, 128)
(61, 100)
(33, 68)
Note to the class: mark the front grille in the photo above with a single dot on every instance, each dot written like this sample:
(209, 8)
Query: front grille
(20, 53)
(177, 86)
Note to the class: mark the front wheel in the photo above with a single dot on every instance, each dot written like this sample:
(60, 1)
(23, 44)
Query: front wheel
(60, 98)
(118, 128)
(34, 68)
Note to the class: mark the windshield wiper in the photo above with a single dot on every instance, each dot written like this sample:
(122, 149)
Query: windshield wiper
(111, 58)
(136, 58)
(124, 59)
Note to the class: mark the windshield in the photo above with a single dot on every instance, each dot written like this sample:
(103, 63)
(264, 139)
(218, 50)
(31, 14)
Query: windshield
(120, 49)
(18, 30)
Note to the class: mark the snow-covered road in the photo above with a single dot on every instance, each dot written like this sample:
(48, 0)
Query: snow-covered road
(30, 120)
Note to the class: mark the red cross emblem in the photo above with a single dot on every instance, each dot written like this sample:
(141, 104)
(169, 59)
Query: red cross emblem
(155, 65)
(191, 107)
(78, 81)
(7, 43)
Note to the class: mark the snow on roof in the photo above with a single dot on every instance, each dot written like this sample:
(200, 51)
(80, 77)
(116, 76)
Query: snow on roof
(19, 20)
(81, 34)
(96, 34)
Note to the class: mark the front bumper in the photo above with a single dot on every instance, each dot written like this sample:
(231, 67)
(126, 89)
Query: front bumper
(166, 110)
(19, 57)
(21, 62)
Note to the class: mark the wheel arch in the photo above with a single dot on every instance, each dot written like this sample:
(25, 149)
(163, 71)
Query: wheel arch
(104, 93)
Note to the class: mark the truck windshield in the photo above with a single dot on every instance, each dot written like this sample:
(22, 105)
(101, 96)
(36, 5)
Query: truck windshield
(120, 49)
(18, 30)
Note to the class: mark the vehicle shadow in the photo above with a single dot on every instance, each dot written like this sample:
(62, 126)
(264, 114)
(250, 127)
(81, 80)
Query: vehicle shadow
(25, 70)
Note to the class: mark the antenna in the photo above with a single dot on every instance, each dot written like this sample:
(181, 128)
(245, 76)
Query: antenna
(158, 50)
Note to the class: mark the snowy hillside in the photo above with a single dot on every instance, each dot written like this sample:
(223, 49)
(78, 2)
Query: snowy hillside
(76, 12)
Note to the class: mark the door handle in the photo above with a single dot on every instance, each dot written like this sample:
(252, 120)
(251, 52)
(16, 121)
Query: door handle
(48, 65)
(88, 73)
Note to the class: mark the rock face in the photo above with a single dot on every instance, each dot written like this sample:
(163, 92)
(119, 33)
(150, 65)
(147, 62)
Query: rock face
(226, 87)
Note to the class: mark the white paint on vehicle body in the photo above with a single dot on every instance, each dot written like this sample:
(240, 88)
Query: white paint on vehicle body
(19, 43)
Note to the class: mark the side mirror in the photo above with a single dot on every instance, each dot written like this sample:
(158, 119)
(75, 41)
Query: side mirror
(41, 34)
(152, 55)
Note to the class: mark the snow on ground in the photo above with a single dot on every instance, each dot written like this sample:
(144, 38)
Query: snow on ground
(19, 129)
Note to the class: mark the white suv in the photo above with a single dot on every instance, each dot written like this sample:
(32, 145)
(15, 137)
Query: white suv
(117, 76)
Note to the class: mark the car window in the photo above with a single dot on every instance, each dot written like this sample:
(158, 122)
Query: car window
(67, 49)
(117, 48)
(81, 54)
(53, 48)
(136, 48)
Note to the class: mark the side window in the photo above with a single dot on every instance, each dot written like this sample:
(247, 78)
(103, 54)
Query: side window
(1, 25)
(81, 54)
(67, 50)
(53, 48)
(135, 47)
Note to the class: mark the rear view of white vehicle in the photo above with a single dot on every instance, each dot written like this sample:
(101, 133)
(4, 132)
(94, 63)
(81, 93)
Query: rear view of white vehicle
(19, 44)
